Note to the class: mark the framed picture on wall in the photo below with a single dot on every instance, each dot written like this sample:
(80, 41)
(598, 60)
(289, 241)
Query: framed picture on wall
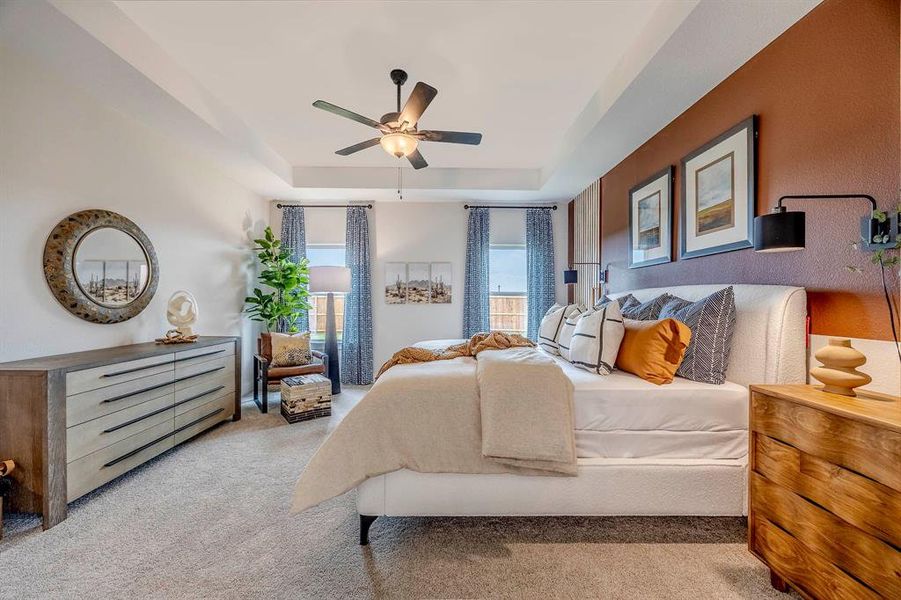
(651, 220)
(716, 211)
(395, 283)
(442, 283)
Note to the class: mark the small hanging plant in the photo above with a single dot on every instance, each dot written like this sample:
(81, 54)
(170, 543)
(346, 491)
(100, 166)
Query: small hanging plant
(287, 281)
(887, 259)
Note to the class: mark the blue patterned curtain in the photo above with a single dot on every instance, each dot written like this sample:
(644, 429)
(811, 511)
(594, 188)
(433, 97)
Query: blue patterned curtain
(475, 288)
(294, 237)
(356, 343)
(540, 276)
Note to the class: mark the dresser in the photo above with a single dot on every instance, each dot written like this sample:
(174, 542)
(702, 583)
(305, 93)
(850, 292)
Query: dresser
(825, 491)
(74, 422)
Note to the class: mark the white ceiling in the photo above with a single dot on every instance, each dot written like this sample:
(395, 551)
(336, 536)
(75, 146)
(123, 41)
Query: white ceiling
(519, 73)
(562, 91)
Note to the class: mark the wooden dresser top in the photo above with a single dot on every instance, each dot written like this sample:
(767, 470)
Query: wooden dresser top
(873, 408)
(76, 361)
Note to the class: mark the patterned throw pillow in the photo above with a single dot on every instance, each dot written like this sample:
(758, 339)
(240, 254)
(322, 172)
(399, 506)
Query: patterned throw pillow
(290, 350)
(646, 311)
(596, 339)
(551, 324)
(567, 329)
(627, 300)
(712, 322)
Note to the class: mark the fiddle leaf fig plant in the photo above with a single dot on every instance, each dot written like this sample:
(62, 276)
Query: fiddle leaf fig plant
(287, 294)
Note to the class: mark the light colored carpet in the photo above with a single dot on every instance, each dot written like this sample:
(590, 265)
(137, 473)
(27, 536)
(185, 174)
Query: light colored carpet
(210, 520)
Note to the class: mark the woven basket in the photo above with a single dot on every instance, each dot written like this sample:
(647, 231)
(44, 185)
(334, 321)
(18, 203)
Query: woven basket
(306, 397)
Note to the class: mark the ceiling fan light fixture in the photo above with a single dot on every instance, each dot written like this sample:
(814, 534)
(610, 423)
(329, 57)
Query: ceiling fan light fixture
(399, 144)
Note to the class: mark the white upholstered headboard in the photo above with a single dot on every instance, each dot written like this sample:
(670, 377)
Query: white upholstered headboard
(768, 345)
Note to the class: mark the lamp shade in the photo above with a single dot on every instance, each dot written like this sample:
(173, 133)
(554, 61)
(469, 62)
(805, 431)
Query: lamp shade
(398, 144)
(570, 276)
(329, 279)
(779, 231)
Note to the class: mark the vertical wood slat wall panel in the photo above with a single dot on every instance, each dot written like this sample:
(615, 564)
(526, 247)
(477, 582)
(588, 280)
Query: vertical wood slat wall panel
(587, 241)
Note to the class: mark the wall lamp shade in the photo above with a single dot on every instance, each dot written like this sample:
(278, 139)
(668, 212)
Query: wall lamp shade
(329, 279)
(779, 231)
(570, 276)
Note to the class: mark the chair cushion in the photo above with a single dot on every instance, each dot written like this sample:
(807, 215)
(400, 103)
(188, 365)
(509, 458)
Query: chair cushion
(280, 372)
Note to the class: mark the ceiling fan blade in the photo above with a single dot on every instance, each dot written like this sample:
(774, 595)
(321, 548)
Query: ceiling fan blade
(417, 160)
(343, 112)
(358, 147)
(420, 98)
(452, 137)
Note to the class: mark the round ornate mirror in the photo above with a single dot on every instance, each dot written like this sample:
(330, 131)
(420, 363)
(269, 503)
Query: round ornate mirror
(100, 266)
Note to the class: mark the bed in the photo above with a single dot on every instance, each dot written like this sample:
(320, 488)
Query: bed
(679, 449)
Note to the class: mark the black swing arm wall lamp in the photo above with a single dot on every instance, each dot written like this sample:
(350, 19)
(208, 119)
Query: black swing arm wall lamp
(784, 231)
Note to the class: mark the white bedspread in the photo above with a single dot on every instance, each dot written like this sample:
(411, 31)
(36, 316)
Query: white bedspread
(623, 416)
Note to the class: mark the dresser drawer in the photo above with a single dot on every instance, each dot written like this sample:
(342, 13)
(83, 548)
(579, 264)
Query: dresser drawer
(103, 401)
(204, 392)
(99, 433)
(854, 445)
(192, 422)
(93, 470)
(187, 375)
(807, 570)
(91, 379)
(201, 355)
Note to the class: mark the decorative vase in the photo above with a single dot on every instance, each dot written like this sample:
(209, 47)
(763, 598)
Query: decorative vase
(839, 369)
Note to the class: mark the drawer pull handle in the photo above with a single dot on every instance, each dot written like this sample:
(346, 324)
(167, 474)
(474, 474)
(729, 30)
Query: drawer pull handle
(200, 355)
(161, 438)
(135, 369)
(200, 395)
(141, 391)
(136, 420)
(186, 377)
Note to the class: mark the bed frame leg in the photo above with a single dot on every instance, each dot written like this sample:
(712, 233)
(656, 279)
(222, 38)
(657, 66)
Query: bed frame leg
(365, 523)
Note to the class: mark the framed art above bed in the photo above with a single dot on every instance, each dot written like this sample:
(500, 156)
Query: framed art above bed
(717, 206)
(651, 220)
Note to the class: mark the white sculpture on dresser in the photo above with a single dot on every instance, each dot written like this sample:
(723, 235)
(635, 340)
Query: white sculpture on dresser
(182, 312)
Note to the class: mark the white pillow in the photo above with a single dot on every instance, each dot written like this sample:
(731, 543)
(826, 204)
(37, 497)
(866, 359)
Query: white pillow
(596, 339)
(564, 340)
(549, 330)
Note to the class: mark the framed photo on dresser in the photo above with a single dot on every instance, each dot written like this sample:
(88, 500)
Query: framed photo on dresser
(716, 210)
(651, 220)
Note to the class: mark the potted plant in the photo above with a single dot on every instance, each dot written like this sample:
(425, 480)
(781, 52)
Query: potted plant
(288, 283)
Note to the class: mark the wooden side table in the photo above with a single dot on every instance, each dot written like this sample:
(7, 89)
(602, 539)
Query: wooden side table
(825, 491)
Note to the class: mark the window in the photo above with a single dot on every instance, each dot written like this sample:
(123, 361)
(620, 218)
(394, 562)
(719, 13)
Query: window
(507, 284)
(323, 255)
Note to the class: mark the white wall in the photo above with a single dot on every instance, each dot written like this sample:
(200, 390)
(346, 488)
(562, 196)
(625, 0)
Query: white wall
(421, 232)
(62, 150)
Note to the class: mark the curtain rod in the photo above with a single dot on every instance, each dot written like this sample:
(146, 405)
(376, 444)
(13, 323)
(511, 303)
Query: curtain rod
(280, 205)
(468, 206)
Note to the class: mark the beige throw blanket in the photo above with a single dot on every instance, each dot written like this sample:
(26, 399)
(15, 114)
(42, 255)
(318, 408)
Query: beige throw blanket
(510, 411)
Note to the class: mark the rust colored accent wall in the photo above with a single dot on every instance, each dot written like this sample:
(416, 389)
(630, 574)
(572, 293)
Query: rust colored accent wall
(827, 96)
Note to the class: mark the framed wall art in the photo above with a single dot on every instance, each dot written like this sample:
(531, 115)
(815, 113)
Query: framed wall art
(651, 220)
(719, 193)
(418, 283)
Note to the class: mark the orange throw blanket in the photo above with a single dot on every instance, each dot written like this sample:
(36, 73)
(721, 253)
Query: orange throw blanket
(496, 340)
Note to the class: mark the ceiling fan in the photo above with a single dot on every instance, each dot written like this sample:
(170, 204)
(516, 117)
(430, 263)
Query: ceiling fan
(400, 136)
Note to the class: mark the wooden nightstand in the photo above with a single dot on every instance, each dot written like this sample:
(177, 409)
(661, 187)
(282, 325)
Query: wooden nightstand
(825, 491)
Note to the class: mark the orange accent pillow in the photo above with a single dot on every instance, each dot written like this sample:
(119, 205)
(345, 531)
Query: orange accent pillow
(653, 350)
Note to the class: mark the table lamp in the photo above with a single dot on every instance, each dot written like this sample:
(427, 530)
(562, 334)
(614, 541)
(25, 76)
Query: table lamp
(331, 281)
